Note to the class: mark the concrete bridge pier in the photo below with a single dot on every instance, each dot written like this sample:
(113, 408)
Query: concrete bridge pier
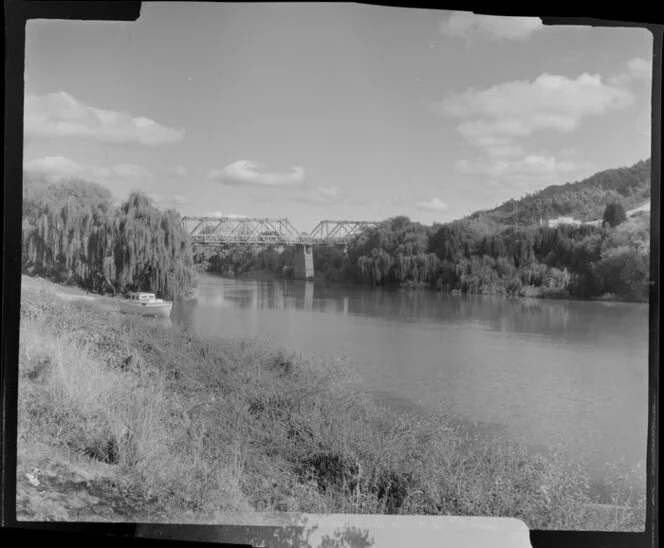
(304, 262)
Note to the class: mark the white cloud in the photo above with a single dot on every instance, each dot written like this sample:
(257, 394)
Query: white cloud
(59, 167)
(54, 165)
(329, 191)
(244, 172)
(227, 215)
(637, 69)
(433, 205)
(640, 68)
(498, 121)
(120, 179)
(522, 107)
(61, 115)
(468, 25)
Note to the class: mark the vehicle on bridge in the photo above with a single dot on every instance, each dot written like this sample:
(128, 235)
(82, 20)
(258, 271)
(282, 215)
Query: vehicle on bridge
(270, 236)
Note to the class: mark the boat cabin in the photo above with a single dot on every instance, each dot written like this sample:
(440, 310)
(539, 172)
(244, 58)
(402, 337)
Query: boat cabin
(144, 297)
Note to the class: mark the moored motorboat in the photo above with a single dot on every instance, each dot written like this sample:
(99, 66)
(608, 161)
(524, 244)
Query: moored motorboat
(145, 304)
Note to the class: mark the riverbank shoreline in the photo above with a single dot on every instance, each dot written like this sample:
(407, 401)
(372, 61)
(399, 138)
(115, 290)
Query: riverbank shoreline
(209, 428)
(73, 291)
(554, 295)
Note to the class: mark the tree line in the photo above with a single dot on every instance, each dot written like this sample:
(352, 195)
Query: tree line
(566, 261)
(72, 232)
(501, 251)
(610, 261)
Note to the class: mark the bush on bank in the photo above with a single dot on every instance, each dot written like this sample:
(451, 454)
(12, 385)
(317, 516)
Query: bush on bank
(211, 426)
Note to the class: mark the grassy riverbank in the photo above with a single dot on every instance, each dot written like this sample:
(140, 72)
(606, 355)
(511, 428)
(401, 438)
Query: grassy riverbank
(125, 419)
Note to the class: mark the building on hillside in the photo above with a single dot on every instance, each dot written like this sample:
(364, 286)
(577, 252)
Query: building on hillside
(552, 223)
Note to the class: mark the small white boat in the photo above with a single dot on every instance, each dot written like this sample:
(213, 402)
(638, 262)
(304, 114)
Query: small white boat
(145, 304)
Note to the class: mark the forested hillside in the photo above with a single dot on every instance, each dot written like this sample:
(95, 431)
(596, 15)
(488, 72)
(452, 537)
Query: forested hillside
(584, 200)
(73, 233)
(497, 251)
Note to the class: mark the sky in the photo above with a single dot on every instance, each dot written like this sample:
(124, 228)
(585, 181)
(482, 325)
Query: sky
(332, 111)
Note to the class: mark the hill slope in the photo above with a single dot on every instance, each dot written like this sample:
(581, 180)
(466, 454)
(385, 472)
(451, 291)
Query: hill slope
(584, 200)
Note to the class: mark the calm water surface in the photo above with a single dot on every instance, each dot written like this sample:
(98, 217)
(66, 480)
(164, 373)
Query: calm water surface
(553, 374)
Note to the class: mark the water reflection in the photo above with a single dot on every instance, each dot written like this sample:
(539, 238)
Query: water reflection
(303, 293)
(549, 372)
(572, 320)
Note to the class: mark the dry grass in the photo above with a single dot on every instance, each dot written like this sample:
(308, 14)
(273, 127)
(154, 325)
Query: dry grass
(204, 428)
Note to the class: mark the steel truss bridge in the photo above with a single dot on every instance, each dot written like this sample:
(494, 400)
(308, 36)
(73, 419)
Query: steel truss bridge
(259, 231)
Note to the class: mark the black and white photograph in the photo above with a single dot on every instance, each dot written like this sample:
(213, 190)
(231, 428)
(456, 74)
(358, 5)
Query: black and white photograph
(297, 260)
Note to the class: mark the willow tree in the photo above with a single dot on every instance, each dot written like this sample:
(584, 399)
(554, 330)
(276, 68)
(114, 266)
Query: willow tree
(56, 240)
(150, 249)
(58, 220)
(376, 266)
(73, 233)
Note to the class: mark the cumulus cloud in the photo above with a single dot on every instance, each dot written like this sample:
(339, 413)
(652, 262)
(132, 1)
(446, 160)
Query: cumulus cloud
(432, 205)
(468, 25)
(486, 135)
(244, 172)
(637, 69)
(61, 115)
(640, 68)
(58, 167)
(54, 165)
(497, 120)
(549, 102)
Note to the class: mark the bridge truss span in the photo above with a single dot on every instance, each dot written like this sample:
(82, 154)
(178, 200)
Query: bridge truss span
(241, 230)
(338, 231)
(264, 231)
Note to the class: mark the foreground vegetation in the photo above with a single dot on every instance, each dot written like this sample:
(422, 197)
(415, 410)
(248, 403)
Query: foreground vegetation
(201, 429)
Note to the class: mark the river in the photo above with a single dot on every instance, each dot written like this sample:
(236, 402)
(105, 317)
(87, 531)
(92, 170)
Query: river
(556, 375)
